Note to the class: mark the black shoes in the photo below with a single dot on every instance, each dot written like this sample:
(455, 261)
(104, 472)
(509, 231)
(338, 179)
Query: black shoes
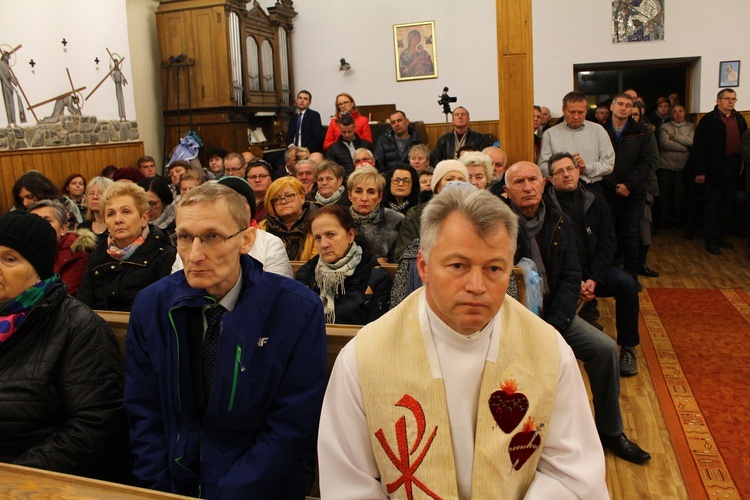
(628, 362)
(625, 448)
(647, 271)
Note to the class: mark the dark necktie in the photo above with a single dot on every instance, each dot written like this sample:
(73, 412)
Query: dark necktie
(298, 138)
(211, 345)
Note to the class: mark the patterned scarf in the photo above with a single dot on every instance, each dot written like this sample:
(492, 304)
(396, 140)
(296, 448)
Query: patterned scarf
(123, 253)
(331, 200)
(530, 228)
(166, 217)
(294, 238)
(399, 208)
(330, 279)
(373, 217)
(14, 311)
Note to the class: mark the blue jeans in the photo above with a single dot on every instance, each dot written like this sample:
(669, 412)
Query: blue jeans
(624, 288)
(598, 352)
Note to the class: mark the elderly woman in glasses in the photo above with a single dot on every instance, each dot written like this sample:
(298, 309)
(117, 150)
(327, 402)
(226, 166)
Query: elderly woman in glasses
(289, 217)
(161, 205)
(260, 177)
(378, 226)
(329, 184)
(134, 255)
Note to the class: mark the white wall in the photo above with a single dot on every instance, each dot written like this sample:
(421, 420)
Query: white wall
(362, 32)
(580, 31)
(90, 27)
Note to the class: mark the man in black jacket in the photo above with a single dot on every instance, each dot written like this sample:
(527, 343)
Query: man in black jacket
(462, 136)
(716, 162)
(625, 187)
(547, 237)
(596, 244)
(305, 128)
(393, 146)
(342, 151)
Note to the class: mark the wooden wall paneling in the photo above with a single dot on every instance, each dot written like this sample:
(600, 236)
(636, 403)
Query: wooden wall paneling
(515, 78)
(58, 163)
(174, 39)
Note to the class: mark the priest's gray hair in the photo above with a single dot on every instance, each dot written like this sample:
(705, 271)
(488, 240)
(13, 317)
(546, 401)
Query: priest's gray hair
(483, 211)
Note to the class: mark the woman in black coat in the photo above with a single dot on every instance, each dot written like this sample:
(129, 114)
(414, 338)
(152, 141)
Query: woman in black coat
(61, 376)
(353, 287)
(134, 255)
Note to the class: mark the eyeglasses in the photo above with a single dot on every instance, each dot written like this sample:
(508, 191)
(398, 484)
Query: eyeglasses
(343, 103)
(208, 240)
(567, 170)
(154, 204)
(231, 170)
(730, 99)
(287, 198)
(400, 180)
(258, 177)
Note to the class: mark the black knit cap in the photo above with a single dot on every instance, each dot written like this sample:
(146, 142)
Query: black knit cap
(32, 237)
(242, 187)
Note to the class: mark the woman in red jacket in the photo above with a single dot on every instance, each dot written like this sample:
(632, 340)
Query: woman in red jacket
(73, 248)
(345, 105)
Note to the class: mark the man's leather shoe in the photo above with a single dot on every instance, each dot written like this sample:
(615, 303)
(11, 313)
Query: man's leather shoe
(647, 271)
(713, 249)
(625, 448)
(726, 244)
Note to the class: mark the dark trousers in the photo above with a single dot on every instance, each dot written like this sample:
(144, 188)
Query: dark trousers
(626, 216)
(672, 194)
(719, 201)
(624, 288)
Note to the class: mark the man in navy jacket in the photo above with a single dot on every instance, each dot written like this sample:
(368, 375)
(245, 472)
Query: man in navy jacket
(310, 133)
(223, 408)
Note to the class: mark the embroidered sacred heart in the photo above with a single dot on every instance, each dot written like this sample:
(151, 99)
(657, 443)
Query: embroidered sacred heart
(524, 444)
(508, 407)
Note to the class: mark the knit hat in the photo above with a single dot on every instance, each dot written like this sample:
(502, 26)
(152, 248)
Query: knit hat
(242, 187)
(445, 166)
(32, 237)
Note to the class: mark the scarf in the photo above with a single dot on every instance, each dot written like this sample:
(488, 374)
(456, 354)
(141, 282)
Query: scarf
(331, 200)
(294, 238)
(330, 279)
(123, 253)
(166, 217)
(373, 217)
(532, 227)
(459, 143)
(399, 208)
(15, 310)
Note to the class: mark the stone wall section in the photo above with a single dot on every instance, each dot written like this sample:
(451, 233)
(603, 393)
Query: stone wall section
(70, 131)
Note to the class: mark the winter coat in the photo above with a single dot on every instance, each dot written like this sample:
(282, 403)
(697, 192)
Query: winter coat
(445, 148)
(367, 291)
(112, 285)
(380, 239)
(636, 157)
(675, 142)
(386, 149)
(253, 436)
(61, 382)
(73, 251)
(709, 146)
(339, 153)
(558, 249)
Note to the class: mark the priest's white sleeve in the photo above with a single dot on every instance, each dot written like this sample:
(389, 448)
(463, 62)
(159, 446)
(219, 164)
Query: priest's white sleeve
(347, 466)
(572, 463)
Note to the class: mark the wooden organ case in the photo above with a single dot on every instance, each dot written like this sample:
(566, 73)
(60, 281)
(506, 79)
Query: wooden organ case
(226, 72)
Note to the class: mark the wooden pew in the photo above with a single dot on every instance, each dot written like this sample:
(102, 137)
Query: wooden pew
(25, 482)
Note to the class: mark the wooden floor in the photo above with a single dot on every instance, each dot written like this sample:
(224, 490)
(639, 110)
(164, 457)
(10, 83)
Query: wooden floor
(682, 264)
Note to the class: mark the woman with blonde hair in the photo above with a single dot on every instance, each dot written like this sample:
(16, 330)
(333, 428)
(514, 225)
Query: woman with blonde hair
(345, 105)
(94, 191)
(134, 255)
(289, 217)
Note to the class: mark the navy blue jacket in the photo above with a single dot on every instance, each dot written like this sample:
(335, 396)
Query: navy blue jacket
(558, 248)
(312, 131)
(255, 435)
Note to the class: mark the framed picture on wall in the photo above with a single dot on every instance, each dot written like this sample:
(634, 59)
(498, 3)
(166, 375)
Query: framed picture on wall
(415, 52)
(729, 74)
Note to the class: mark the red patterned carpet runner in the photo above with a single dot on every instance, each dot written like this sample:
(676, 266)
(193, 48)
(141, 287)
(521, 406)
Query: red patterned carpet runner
(698, 353)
